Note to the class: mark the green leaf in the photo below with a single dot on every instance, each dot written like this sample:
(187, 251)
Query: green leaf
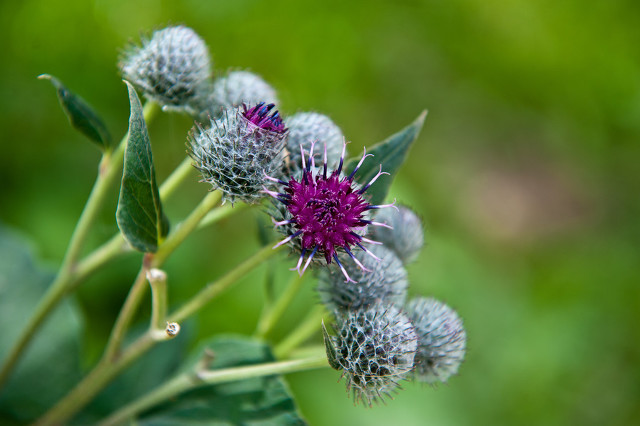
(81, 115)
(330, 348)
(139, 215)
(50, 366)
(390, 153)
(256, 401)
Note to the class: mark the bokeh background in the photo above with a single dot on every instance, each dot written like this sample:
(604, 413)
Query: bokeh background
(526, 176)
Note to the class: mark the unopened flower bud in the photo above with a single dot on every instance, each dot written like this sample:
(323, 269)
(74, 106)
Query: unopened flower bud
(173, 68)
(240, 87)
(405, 236)
(441, 339)
(384, 279)
(375, 346)
(236, 152)
(310, 127)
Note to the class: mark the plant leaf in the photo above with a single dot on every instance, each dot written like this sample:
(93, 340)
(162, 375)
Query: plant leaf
(330, 348)
(139, 215)
(80, 114)
(50, 367)
(390, 153)
(262, 400)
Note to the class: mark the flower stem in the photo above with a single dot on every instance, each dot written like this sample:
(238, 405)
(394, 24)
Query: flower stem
(178, 175)
(191, 380)
(155, 260)
(309, 326)
(271, 316)
(107, 369)
(108, 174)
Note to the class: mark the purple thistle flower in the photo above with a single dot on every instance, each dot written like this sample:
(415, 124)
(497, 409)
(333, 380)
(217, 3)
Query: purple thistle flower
(259, 115)
(326, 212)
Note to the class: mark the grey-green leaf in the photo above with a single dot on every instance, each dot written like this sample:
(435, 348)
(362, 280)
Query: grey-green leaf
(329, 346)
(139, 215)
(51, 365)
(262, 400)
(81, 115)
(390, 153)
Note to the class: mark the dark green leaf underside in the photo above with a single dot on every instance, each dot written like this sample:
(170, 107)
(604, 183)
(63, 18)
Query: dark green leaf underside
(139, 215)
(330, 348)
(390, 153)
(81, 115)
(257, 401)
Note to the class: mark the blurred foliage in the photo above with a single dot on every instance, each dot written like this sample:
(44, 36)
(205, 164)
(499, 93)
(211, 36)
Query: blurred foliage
(525, 173)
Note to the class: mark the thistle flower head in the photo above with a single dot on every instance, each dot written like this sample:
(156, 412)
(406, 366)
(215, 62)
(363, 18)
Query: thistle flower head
(310, 127)
(240, 87)
(172, 68)
(375, 346)
(238, 150)
(380, 279)
(441, 339)
(325, 212)
(405, 237)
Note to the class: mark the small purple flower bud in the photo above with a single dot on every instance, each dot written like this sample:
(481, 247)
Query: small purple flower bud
(306, 128)
(441, 339)
(238, 150)
(173, 68)
(375, 347)
(240, 87)
(325, 213)
(405, 236)
(380, 279)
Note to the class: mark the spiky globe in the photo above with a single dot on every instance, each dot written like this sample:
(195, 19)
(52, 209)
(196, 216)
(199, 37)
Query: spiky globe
(325, 212)
(383, 279)
(238, 150)
(405, 237)
(173, 68)
(240, 87)
(375, 347)
(311, 127)
(441, 339)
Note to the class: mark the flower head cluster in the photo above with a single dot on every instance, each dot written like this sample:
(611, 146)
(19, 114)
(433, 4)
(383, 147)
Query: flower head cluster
(326, 211)
(237, 150)
(441, 339)
(375, 347)
(173, 68)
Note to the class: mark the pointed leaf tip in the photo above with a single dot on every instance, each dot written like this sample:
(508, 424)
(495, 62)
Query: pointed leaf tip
(140, 216)
(80, 114)
(391, 153)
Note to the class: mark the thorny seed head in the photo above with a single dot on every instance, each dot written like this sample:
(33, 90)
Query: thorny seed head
(173, 68)
(325, 212)
(311, 127)
(238, 150)
(375, 346)
(405, 237)
(237, 88)
(441, 339)
(384, 280)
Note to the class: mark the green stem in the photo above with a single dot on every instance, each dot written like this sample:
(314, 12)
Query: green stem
(309, 326)
(174, 180)
(155, 260)
(158, 282)
(191, 380)
(109, 167)
(212, 290)
(108, 369)
(271, 316)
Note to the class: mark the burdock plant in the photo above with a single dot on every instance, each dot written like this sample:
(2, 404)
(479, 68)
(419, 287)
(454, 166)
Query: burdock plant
(323, 203)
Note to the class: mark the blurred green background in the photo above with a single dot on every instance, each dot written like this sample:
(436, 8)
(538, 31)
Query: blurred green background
(526, 175)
